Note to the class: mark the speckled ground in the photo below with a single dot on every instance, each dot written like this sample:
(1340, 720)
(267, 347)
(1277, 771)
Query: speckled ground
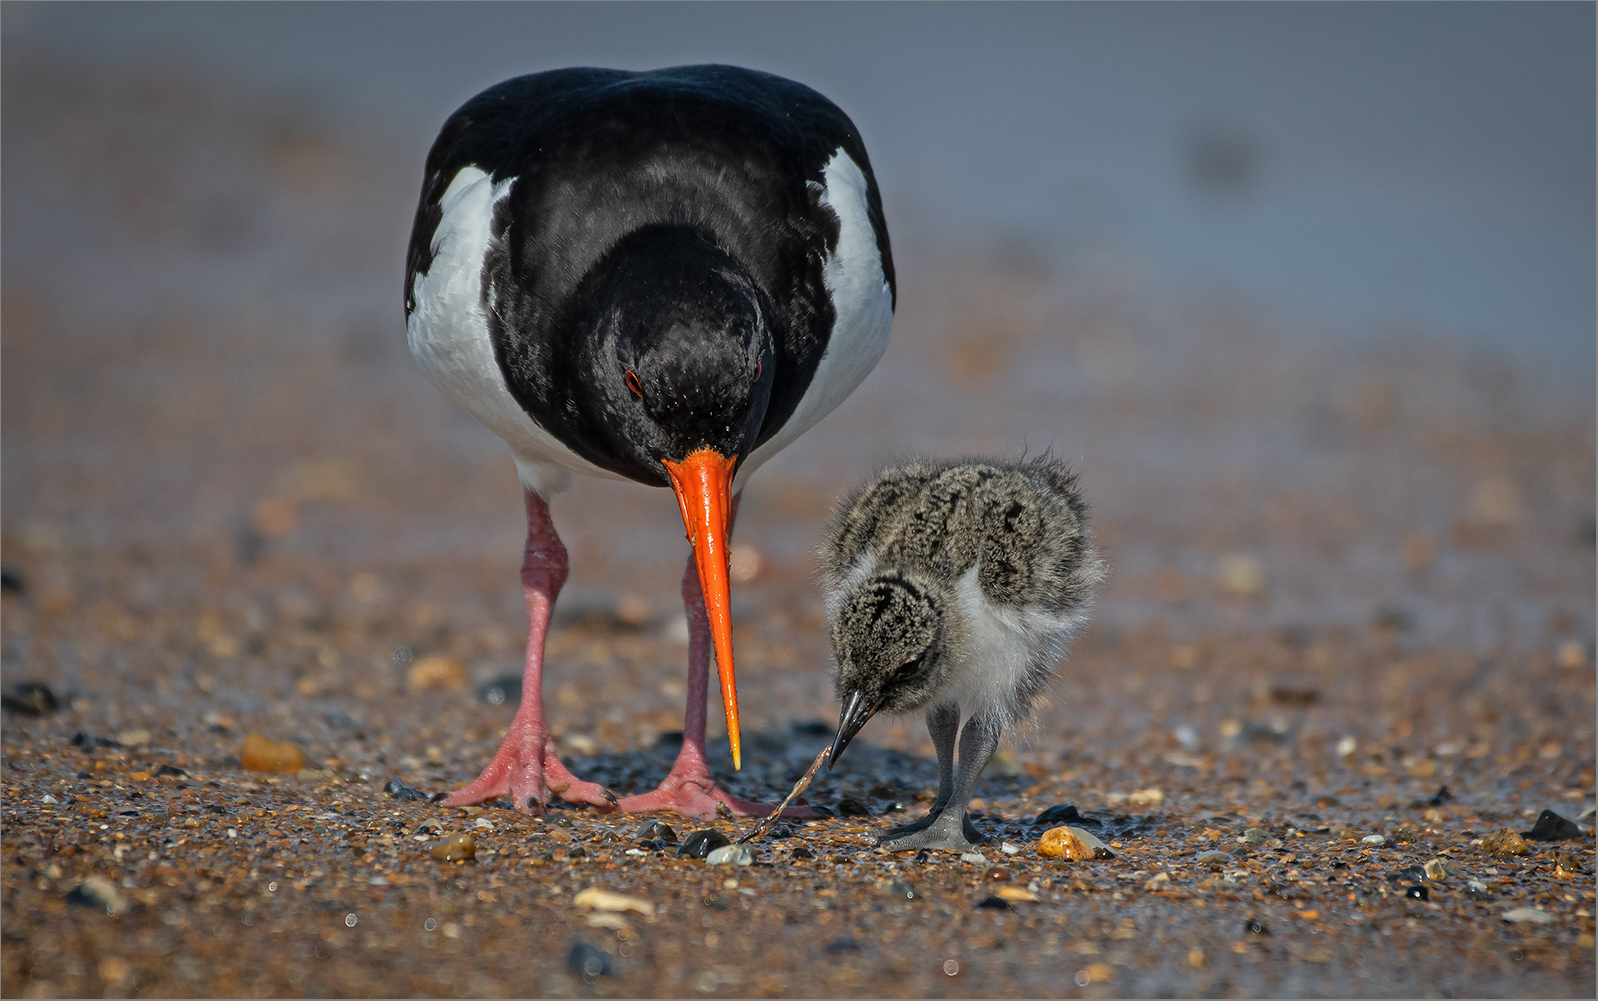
(1351, 594)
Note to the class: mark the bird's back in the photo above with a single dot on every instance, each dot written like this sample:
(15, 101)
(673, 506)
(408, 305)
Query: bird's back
(1020, 525)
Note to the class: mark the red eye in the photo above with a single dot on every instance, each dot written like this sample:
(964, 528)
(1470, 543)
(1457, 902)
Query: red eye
(632, 384)
(759, 364)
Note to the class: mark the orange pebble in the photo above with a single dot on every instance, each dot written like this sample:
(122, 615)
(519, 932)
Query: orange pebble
(262, 755)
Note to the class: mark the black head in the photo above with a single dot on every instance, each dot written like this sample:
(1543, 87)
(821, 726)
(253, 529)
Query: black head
(888, 635)
(680, 358)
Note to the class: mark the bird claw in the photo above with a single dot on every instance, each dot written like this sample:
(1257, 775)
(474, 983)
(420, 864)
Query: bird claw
(932, 832)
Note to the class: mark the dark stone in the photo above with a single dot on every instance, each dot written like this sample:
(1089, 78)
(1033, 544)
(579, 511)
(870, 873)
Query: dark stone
(1254, 926)
(30, 698)
(853, 808)
(578, 852)
(657, 830)
(702, 843)
(1442, 796)
(403, 655)
(652, 846)
(802, 852)
(993, 904)
(997, 875)
(400, 790)
(503, 689)
(90, 741)
(900, 890)
(11, 580)
(1417, 892)
(1408, 874)
(1550, 826)
(838, 945)
(923, 855)
(821, 811)
(588, 962)
(1064, 813)
(171, 770)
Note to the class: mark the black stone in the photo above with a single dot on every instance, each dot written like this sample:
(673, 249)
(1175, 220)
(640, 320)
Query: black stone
(171, 770)
(702, 843)
(400, 790)
(1254, 926)
(578, 852)
(30, 698)
(588, 962)
(1064, 813)
(923, 856)
(1408, 874)
(89, 740)
(1417, 892)
(503, 689)
(1443, 796)
(853, 808)
(1551, 826)
(657, 830)
(802, 852)
(993, 904)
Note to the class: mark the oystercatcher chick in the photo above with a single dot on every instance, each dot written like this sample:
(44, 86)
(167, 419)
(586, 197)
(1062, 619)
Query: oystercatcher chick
(663, 277)
(952, 588)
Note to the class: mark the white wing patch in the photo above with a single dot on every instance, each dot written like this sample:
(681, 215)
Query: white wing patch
(1002, 644)
(861, 300)
(448, 333)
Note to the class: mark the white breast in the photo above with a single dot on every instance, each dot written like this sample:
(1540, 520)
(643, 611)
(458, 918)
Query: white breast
(448, 333)
(861, 301)
(1002, 645)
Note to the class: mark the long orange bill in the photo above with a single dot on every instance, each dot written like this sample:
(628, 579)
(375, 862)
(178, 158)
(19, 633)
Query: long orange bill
(703, 482)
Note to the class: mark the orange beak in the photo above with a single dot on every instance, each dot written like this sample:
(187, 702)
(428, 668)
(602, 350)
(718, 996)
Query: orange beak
(703, 482)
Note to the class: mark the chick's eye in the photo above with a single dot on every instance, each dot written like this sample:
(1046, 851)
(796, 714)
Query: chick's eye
(632, 384)
(908, 667)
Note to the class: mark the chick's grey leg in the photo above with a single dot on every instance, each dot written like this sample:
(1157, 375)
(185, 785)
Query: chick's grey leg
(950, 828)
(943, 723)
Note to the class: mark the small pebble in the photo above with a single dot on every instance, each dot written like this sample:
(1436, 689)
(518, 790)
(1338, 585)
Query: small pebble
(171, 771)
(399, 790)
(1257, 836)
(1373, 840)
(455, 848)
(588, 962)
(1213, 856)
(701, 843)
(973, 857)
(262, 755)
(100, 893)
(1061, 813)
(1528, 915)
(1072, 843)
(606, 900)
(90, 741)
(1565, 864)
(49, 800)
(997, 875)
(853, 808)
(29, 698)
(435, 672)
(802, 852)
(578, 852)
(1550, 826)
(993, 904)
(730, 855)
(506, 688)
(1254, 926)
(1417, 892)
(1010, 849)
(1435, 869)
(898, 889)
(1015, 894)
(138, 738)
(657, 830)
(1504, 841)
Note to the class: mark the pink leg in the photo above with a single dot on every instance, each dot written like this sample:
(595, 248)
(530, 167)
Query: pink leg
(526, 765)
(689, 789)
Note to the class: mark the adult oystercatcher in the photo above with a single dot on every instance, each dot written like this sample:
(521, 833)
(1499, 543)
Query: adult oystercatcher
(953, 587)
(662, 277)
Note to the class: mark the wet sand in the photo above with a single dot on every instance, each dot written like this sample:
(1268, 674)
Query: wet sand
(1343, 580)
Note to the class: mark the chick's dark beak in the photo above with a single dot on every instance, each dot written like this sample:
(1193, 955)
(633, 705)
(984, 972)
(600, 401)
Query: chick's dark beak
(855, 713)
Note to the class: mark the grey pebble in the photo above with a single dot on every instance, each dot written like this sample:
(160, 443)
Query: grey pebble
(731, 855)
